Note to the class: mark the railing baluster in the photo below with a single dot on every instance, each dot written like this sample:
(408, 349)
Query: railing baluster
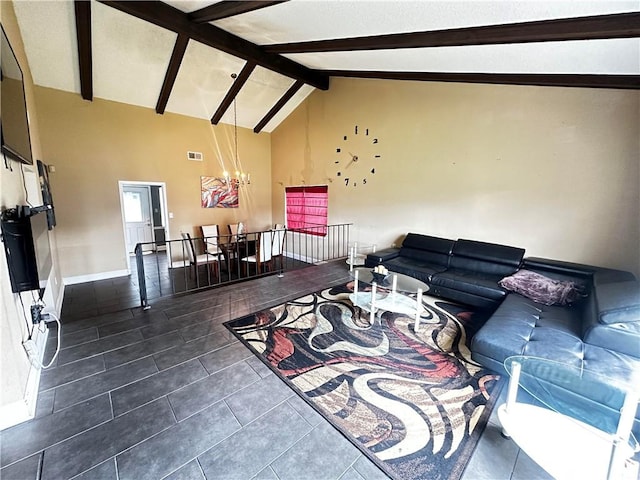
(142, 284)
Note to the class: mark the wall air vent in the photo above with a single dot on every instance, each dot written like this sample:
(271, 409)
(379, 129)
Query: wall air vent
(195, 156)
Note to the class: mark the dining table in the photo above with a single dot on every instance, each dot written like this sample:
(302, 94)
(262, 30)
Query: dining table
(235, 247)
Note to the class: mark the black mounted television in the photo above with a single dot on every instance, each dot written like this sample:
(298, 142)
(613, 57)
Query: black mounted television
(14, 120)
(25, 235)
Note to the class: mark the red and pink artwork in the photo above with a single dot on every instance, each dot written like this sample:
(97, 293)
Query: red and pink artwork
(218, 192)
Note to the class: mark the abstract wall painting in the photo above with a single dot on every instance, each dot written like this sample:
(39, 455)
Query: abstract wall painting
(218, 192)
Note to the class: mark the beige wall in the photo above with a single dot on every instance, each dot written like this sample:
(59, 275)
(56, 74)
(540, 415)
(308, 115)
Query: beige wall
(15, 182)
(552, 170)
(93, 145)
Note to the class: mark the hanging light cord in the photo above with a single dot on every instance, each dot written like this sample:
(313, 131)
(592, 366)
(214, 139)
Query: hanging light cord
(235, 131)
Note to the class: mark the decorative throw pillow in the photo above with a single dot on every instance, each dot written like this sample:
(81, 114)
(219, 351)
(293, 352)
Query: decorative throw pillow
(541, 289)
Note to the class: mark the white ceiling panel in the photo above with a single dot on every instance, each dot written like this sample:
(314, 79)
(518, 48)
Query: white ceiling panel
(49, 35)
(130, 57)
(261, 91)
(304, 20)
(203, 80)
(189, 5)
(619, 56)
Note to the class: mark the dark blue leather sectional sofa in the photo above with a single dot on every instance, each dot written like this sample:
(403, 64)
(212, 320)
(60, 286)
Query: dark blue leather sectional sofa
(600, 332)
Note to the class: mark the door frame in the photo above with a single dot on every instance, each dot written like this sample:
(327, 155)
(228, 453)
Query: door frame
(163, 206)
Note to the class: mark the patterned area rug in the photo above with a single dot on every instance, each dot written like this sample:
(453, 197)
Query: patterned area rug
(415, 403)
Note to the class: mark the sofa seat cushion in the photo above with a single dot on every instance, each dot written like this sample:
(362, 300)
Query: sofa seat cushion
(481, 284)
(423, 271)
(522, 327)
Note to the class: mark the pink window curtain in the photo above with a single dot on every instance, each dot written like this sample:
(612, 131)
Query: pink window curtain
(307, 209)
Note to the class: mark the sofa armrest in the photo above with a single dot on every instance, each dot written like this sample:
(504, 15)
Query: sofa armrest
(619, 302)
(381, 256)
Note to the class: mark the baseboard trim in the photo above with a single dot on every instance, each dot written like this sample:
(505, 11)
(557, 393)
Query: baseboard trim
(301, 258)
(25, 409)
(14, 413)
(92, 277)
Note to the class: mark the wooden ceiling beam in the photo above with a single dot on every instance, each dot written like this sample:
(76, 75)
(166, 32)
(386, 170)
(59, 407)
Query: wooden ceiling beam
(170, 18)
(172, 71)
(620, 25)
(628, 82)
(241, 79)
(278, 106)
(85, 55)
(229, 8)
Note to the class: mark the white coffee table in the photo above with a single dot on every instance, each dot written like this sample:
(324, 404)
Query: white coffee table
(390, 296)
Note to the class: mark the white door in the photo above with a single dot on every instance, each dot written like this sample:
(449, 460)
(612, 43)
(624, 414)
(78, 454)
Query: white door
(137, 216)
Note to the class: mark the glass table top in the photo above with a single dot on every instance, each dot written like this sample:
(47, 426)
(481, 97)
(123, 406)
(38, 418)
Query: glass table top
(590, 397)
(404, 283)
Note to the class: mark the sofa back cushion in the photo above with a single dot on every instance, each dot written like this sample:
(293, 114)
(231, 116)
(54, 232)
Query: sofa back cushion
(485, 257)
(426, 249)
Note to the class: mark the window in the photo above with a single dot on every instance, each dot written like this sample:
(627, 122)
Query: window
(132, 207)
(306, 209)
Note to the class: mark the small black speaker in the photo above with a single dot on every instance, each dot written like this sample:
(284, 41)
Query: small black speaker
(20, 251)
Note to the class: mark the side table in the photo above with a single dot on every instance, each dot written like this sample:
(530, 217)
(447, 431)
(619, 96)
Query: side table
(358, 254)
(572, 435)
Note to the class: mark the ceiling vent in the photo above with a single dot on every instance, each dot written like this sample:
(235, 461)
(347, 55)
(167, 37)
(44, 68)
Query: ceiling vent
(195, 156)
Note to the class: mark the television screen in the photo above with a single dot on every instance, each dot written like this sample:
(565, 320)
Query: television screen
(14, 123)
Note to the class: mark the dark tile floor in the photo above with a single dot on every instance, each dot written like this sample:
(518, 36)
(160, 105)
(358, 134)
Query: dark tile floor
(169, 393)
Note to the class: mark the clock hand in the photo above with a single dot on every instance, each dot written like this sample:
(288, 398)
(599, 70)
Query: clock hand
(354, 158)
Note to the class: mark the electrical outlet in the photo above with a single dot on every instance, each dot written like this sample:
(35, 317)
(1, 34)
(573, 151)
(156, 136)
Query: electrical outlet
(36, 313)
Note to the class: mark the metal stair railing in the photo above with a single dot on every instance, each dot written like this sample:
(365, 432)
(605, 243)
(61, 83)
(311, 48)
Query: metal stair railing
(167, 269)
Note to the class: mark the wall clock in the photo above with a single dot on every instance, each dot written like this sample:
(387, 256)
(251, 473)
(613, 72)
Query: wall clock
(357, 157)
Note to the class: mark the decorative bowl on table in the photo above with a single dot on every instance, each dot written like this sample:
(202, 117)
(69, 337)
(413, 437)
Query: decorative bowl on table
(380, 278)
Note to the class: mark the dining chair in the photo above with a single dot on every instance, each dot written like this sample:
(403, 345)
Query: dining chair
(277, 245)
(203, 259)
(263, 255)
(236, 230)
(210, 234)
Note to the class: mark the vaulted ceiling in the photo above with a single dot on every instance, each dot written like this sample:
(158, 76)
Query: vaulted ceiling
(195, 57)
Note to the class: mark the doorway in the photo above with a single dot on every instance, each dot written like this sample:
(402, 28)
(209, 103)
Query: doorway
(144, 215)
(136, 205)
